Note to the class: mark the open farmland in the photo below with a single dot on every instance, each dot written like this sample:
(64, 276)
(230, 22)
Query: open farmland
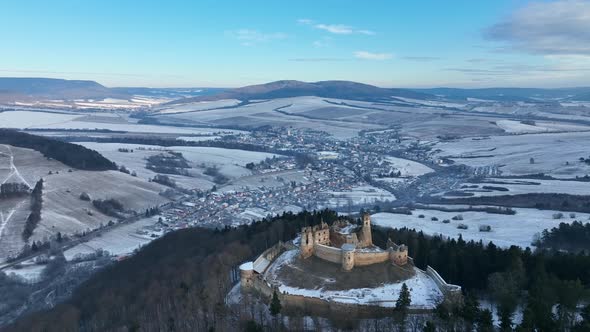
(120, 241)
(63, 211)
(553, 154)
(501, 187)
(506, 230)
(83, 121)
(230, 162)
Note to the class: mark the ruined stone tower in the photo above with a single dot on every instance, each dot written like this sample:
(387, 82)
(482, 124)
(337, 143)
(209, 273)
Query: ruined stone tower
(347, 256)
(307, 242)
(398, 254)
(366, 239)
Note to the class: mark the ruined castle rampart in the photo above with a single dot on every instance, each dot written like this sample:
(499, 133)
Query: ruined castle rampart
(369, 258)
(327, 253)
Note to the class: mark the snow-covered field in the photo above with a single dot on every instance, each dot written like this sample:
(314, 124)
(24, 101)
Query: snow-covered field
(507, 230)
(120, 241)
(197, 106)
(108, 103)
(80, 121)
(25, 119)
(517, 127)
(63, 211)
(357, 195)
(423, 291)
(409, 168)
(524, 186)
(30, 272)
(264, 113)
(553, 154)
(230, 162)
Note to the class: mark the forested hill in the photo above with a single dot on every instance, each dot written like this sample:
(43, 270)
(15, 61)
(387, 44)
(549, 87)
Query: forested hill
(73, 155)
(179, 282)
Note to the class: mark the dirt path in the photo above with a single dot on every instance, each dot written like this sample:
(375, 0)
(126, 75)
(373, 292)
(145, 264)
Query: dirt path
(6, 219)
(13, 170)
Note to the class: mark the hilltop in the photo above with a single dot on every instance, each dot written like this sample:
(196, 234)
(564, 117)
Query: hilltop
(325, 89)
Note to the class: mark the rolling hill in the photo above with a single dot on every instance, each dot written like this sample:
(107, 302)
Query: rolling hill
(325, 89)
(32, 89)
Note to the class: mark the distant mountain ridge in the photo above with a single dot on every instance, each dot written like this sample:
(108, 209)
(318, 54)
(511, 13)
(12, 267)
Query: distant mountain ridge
(17, 89)
(511, 94)
(31, 88)
(324, 89)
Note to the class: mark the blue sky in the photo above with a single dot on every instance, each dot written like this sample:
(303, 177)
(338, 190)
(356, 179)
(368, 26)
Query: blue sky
(235, 43)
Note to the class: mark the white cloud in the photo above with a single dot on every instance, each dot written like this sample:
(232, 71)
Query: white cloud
(559, 27)
(338, 29)
(372, 56)
(249, 37)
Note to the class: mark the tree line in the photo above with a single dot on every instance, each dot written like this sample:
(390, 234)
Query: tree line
(73, 155)
(35, 216)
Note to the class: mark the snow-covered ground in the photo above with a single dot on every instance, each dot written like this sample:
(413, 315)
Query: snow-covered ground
(30, 272)
(507, 230)
(409, 168)
(264, 113)
(517, 127)
(553, 154)
(230, 162)
(197, 106)
(80, 121)
(366, 194)
(119, 241)
(423, 291)
(524, 186)
(24, 119)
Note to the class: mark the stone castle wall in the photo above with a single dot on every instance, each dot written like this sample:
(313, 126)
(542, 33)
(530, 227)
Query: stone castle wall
(361, 258)
(368, 258)
(327, 253)
(450, 291)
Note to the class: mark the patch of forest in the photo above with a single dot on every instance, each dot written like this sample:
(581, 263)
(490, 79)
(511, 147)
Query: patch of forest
(179, 282)
(542, 201)
(110, 207)
(574, 237)
(168, 163)
(73, 155)
(35, 216)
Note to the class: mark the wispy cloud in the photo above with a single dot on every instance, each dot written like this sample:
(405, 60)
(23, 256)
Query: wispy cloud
(560, 27)
(338, 29)
(318, 59)
(364, 55)
(421, 58)
(249, 37)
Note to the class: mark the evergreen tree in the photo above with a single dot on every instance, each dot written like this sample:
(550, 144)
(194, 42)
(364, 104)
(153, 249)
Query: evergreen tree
(429, 327)
(252, 326)
(584, 324)
(404, 299)
(485, 322)
(470, 309)
(275, 304)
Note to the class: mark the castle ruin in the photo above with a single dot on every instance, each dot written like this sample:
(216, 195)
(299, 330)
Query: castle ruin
(349, 245)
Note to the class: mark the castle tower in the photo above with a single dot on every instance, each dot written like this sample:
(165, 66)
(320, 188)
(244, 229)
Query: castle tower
(307, 242)
(366, 239)
(246, 275)
(347, 256)
(398, 255)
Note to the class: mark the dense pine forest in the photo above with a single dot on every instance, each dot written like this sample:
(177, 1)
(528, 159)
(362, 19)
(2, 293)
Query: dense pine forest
(180, 282)
(574, 237)
(73, 155)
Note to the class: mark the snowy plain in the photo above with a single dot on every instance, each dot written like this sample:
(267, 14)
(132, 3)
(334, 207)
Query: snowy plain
(507, 230)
